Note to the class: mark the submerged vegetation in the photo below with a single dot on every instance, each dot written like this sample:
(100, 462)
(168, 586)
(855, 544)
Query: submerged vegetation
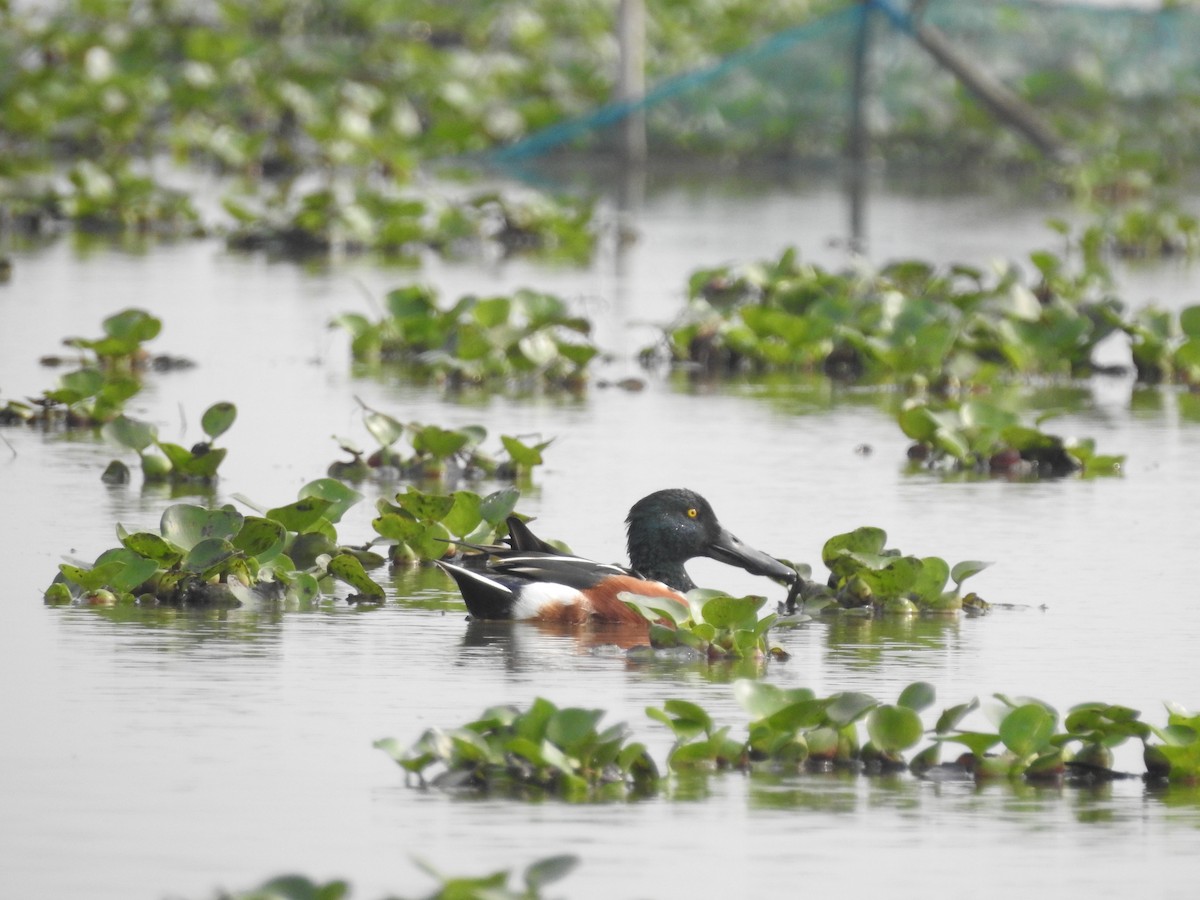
(545, 751)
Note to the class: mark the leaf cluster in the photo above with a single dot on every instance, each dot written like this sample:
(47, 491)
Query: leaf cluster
(868, 578)
(107, 374)
(437, 453)
(526, 338)
(177, 464)
(544, 751)
(908, 320)
(980, 436)
(715, 626)
(220, 557)
(421, 526)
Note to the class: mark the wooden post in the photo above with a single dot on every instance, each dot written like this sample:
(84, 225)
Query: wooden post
(1003, 103)
(631, 79)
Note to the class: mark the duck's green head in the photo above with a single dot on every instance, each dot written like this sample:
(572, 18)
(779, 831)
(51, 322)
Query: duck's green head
(669, 527)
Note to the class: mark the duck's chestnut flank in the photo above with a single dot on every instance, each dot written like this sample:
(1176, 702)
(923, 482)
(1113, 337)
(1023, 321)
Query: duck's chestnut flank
(530, 579)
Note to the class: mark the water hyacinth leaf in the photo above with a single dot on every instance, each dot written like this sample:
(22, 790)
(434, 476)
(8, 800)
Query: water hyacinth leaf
(499, 505)
(867, 540)
(185, 525)
(761, 699)
(402, 528)
(303, 588)
(918, 696)
(194, 465)
(340, 496)
(440, 443)
(383, 427)
(425, 507)
(931, 579)
(1027, 729)
(654, 608)
(688, 716)
(570, 728)
(218, 418)
(302, 515)
(261, 539)
(523, 454)
(131, 433)
(464, 515)
(728, 612)
(346, 567)
(76, 386)
(849, 706)
(965, 569)
(549, 870)
(152, 547)
(919, 424)
(888, 576)
(208, 555)
(133, 325)
(951, 717)
(1189, 321)
(801, 714)
(492, 312)
(894, 729)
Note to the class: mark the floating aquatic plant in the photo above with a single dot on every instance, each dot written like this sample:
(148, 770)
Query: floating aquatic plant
(438, 454)
(868, 578)
(908, 319)
(424, 526)
(715, 625)
(547, 751)
(220, 557)
(542, 751)
(177, 464)
(526, 338)
(494, 886)
(978, 436)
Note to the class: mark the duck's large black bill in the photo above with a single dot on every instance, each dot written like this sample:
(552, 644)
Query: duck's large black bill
(728, 549)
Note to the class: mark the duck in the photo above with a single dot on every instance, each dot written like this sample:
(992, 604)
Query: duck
(530, 579)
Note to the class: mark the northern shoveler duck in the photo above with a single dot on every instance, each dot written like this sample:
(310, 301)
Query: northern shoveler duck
(531, 579)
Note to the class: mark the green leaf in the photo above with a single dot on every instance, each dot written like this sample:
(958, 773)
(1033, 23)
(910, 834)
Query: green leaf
(894, 728)
(894, 576)
(867, 539)
(340, 496)
(218, 418)
(439, 443)
(570, 728)
(965, 569)
(689, 715)
(347, 568)
(955, 714)
(383, 427)
(549, 870)
(208, 555)
(498, 506)
(464, 515)
(1189, 321)
(848, 706)
(302, 515)
(131, 433)
(185, 525)
(523, 454)
(918, 696)
(260, 539)
(152, 547)
(730, 612)
(1027, 729)
(931, 579)
(426, 507)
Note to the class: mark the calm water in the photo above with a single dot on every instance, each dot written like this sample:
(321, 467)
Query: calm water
(162, 754)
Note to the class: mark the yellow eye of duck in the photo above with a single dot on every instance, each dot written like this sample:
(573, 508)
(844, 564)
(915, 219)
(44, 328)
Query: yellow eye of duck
(693, 512)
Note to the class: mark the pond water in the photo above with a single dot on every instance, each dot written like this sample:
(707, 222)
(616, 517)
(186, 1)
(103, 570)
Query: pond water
(164, 754)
